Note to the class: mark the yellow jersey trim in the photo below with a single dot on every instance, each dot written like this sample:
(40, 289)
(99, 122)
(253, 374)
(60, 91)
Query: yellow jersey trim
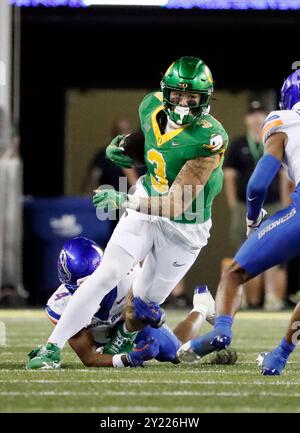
(163, 138)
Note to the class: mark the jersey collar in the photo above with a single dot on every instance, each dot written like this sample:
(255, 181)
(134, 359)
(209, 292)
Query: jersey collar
(163, 138)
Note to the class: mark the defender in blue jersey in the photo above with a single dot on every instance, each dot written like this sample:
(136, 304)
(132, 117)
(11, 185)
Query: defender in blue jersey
(97, 345)
(94, 344)
(270, 242)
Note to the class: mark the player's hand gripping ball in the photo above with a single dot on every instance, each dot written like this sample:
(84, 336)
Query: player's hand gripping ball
(115, 153)
(127, 151)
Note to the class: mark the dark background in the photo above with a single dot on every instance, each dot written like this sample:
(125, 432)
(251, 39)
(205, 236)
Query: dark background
(132, 47)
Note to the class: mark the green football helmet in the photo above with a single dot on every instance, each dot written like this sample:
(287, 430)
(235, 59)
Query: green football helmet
(187, 74)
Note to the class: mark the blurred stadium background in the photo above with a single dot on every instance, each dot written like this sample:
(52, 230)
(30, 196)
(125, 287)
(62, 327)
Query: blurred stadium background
(69, 68)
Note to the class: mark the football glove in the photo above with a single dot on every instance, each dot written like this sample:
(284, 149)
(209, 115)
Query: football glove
(115, 153)
(109, 199)
(143, 351)
(149, 313)
(252, 225)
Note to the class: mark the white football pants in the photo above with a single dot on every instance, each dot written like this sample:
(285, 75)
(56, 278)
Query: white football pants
(167, 252)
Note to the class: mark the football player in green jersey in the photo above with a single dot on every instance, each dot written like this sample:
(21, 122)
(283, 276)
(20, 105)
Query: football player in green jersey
(168, 218)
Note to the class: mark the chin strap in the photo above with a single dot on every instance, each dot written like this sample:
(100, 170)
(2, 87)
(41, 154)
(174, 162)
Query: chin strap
(186, 111)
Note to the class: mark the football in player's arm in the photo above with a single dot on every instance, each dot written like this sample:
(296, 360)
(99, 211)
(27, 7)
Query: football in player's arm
(201, 151)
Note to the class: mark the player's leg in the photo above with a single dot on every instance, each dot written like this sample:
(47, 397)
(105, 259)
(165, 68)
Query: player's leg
(253, 290)
(189, 328)
(274, 362)
(220, 338)
(175, 249)
(169, 342)
(159, 275)
(169, 345)
(203, 309)
(275, 282)
(275, 241)
(129, 242)
(229, 297)
(130, 319)
(137, 314)
(162, 269)
(167, 263)
(83, 305)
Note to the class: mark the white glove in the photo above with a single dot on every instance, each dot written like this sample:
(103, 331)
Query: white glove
(253, 225)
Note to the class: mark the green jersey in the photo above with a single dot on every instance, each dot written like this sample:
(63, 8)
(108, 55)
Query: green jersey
(166, 153)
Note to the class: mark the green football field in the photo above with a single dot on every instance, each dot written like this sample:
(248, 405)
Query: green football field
(155, 388)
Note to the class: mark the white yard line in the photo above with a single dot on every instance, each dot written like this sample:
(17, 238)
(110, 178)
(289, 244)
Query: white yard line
(104, 410)
(196, 371)
(133, 409)
(134, 382)
(148, 394)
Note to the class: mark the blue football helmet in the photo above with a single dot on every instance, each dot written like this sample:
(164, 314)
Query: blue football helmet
(290, 91)
(78, 258)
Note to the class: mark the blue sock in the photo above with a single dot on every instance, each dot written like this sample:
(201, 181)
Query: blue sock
(224, 324)
(286, 348)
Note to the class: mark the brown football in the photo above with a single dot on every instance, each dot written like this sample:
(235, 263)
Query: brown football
(133, 145)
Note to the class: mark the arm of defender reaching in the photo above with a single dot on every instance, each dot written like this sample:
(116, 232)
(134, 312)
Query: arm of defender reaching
(84, 346)
(265, 171)
(189, 182)
(83, 342)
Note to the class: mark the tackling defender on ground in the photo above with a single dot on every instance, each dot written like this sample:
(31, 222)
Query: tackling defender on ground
(99, 344)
